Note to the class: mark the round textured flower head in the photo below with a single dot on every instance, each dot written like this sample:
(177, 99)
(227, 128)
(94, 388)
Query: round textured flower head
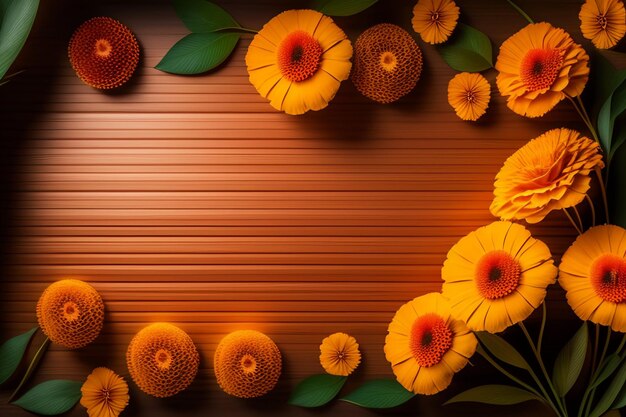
(593, 273)
(71, 313)
(339, 354)
(104, 53)
(162, 360)
(104, 393)
(538, 67)
(435, 20)
(387, 63)
(298, 60)
(496, 276)
(551, 172)
(469, 94)
(426, 345)
(603, 22)
(247, 364)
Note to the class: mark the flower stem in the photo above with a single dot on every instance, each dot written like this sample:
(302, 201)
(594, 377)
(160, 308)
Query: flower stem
(587, 400)
(520, 11)
(580, 220)
(237, 29)
(580, 232)
(603, 191)
(543, 326)
(596, 345)
(31, 368)
(593, 209)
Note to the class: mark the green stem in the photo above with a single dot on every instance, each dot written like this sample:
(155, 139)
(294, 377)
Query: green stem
(31, 368)
(603, 191)
(520, 11)
(238, 29)
(596, 345)
(621, 344)
(587, 400)
(543, 326)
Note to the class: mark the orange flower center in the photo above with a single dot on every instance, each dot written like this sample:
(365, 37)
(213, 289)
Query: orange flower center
(470, 97)
(103, 48)
(497, 274)
(434, 16)
(388, 61)
(608, 277)
(602, 22)
(430, 339)
(163, 359)
(540, 67)
(248, 364)
(299, 56)
(70, 311)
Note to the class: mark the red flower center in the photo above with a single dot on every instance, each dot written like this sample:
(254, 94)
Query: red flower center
(299, 56)
(70, 311)
(497, 274)
(540, 67)
(608, 277)
(430, 339)
(103, 48)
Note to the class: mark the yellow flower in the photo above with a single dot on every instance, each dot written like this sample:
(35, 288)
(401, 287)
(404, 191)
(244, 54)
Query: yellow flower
(496, 276)
(298, 60)
(435, 20)
(551, 172)
(593, 272)
(339, 354)
(104, 393)
(426, 345)
(469, 94)
(603, 22)
(538, 67)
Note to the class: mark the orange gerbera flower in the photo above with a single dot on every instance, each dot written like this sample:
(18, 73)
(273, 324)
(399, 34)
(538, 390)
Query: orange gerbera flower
(550, 172)
(104, 393)
(603, 22)
(339, 354)
(538, 67)
(469, 94)
(435, 20)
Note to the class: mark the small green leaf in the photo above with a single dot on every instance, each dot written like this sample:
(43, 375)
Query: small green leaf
(198, 52)
(570, 360)
(502, 349)
(468, 50)
(494, 394)
(317, 390)
(614, 105)
(51, 398)
(379, 393)
(611, 363)
(201, 16)
(16, 20)
(11, 353)
(342, 7)
(611, 397)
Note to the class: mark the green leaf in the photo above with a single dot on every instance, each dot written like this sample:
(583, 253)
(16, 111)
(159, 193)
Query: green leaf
(198, 52)
(379, 393)
(16, 20)
(342, 7)
(614, 105)
(468, 50)
(617, 185)
(494, 394)
(317, 390)
(51, 398)
(570, 360)
(610, 365)
(611, 397)
(502, 349)
(201, 16)
(604, 81)
(11, 353)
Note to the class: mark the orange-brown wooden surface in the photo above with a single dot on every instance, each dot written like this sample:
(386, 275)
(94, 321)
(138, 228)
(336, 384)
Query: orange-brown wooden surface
(188, 199)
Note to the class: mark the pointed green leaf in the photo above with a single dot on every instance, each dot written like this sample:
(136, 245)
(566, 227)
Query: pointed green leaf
(51, 398)
(468, 50)
(379, 393)
(342, 7)
(198, 52)
(317, 390)
(502, 349)
(11, 353)
(494, 394)
(570, 360)
(606, 78)
(614, 105)
(202, 16)
(611, 396)
(617, 185)
(16, 20)
(611, 363)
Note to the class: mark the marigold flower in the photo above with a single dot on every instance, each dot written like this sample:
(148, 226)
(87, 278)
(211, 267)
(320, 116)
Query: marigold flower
(298, 60)
(426, 345)
(603, 22)
(339, 354)
(162, 360)
(104, 393)
(247, 364)
(469, 95)
(387, 63)
(496, 276)
(550, 172)
(435, 20)
(538, 67)
(593, 273)
(71, 313)
(104, 53)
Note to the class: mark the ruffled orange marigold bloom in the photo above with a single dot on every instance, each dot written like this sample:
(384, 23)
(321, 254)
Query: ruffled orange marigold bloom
(593, 273)
(496, 276)
(162, 360)
(298, 60)
(387, 63)
(435, 20)
(550, 172)
(603, 22)
(469, 94)
(538, 67)
(339, 354)
(247, 364)
(104, 393)
(71, 313)
(426, 345)
(104, 53)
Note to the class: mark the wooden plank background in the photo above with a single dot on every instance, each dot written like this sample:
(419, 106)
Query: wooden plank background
(188, 199)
